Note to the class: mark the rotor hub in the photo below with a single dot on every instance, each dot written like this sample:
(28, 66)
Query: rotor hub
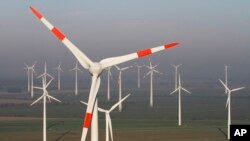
(96, 68)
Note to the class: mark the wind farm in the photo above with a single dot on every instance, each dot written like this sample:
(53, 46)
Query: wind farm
(155, 52)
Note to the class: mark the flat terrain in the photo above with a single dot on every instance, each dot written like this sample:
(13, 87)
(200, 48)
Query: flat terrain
(204, 116)
(124, 130)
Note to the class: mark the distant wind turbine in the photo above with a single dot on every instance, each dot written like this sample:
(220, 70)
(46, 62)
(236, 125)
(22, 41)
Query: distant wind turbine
(30, 73)
(109, 130)
(59, 70)
(109, 75)
(139, 74)
(76, 69)
(226, 80)
(120, 83)
(45, 74)
(176, 74)
(228, 105)
(44, 96)
(151, 73)
(179, 88)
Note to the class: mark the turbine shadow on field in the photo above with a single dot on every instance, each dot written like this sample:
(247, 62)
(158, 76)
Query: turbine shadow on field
(65, 133)
(54, 124)
(219, 129)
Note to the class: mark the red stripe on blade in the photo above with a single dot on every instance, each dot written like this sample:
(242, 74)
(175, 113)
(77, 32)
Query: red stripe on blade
(87, 120)
(58, 34)
(171, 45)
(38, 15)
(145, 52)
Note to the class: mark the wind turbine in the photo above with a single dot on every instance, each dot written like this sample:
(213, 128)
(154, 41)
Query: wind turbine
(44, 96)
(226, 68)
(45, 74)
(151, 73)
(120, 83)
(109, 130)
(30, 73)
(139, 75)
(228, 105)
(109, 75)
(59, 70)
(179, 88)
(76, 77)
(176, 74)
(95, 68)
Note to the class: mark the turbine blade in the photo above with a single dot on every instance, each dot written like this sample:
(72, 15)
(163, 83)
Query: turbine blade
(102, 110)
(121, 59)
(81, 57)
(227, 101)
(99, 109)
(48, 98)
(224, 84)
(118, 68)
(127, 68)
(50, 76)
(157, 72)
(114, 106)
(147, 74)
(236, 89)
(110, 127)
(186, 90)
(174, 91)
(84, 103)
(150, 62)
(109, 73)
(40, 88)
(149, 67)
(37, 100)
(49, 82)
(53, 98)
(40, 75)
(33, 71)
(92, 97)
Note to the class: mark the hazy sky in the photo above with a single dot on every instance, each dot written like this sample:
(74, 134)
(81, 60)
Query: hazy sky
(211, 33)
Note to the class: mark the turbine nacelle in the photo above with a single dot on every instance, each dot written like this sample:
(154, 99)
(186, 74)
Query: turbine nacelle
(96, 68)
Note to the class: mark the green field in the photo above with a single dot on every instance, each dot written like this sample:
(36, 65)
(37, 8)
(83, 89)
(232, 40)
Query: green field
(204, 117)
(124, 130)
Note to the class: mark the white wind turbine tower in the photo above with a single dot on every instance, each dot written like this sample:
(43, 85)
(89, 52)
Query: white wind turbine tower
(95, 68)
(120, 83)
(228, 105)
(226, 68)
(30, 73)
(44, 96)
(109, 75)
(76, 69)
(59, 70)
(151, 73)
(139, 75)
(109, 130)
(176, 74)
(179, 88)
